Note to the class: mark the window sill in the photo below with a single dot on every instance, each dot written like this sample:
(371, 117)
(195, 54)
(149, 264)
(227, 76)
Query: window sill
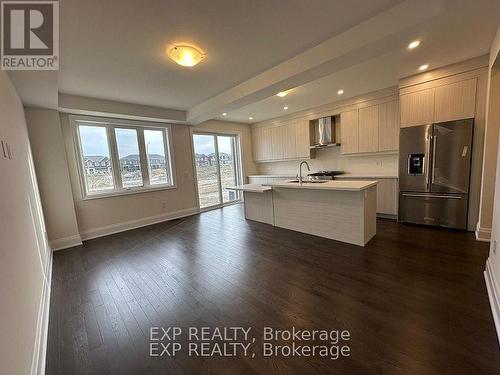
(140, 190)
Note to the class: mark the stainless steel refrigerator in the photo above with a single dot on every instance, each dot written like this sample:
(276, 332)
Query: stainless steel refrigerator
(434, 173)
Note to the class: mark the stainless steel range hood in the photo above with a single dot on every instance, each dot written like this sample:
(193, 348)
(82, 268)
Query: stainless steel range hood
(324, 131)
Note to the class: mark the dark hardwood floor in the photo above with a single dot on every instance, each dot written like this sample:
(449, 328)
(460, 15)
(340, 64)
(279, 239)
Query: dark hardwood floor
(414, 299)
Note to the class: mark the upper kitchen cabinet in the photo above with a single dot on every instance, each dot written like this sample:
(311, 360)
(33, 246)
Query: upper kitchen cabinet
(417, 108)
(302, 139)
(445, 102)
(257, 144)
(388, 126)
(368, 128)
(455, 101)
(290, 140)
(349, 132)
(277, 134)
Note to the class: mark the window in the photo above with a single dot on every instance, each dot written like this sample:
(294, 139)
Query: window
(128, 153)
(157, 162)
(98, 169)
(218, 166)
(120, 157)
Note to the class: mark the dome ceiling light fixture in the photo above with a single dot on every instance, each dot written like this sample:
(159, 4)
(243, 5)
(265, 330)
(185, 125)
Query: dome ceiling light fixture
(185, 55)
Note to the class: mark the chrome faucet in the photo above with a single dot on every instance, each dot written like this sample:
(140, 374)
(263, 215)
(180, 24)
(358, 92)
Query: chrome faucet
(300, 169)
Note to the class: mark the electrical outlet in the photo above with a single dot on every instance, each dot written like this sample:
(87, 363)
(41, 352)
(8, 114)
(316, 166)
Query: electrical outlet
(164, 205)
(9, 154)
(4, 149)
(494, 246)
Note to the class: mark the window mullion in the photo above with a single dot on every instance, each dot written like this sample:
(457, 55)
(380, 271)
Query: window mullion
(115, 159)
(168, 155)
(219, 177)
(143, 157)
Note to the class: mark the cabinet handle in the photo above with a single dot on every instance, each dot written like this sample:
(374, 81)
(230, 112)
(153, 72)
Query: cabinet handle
(431, 196)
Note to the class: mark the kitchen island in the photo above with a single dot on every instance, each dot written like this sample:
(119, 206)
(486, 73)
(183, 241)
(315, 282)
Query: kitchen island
(340, 210)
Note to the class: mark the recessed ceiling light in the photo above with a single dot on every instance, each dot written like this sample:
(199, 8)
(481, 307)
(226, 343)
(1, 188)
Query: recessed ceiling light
(423, 67)
(250, 118)
(340, 92)
(414, 44)
(224, 114)
(185, 55)
(285, 108)
(282, 94)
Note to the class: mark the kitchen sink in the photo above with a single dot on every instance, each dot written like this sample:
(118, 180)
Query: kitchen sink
(308, 181)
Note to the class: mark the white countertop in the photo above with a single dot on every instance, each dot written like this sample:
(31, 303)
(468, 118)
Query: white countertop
(357, 185)
(345, 175)
(251, 188)
(272, 175)
(354, 175)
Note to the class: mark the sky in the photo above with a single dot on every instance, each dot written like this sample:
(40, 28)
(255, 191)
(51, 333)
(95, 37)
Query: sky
(204, 144)
(94, 141)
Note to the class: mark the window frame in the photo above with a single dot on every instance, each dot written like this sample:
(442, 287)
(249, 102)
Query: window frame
(110, 124)
(238, 163)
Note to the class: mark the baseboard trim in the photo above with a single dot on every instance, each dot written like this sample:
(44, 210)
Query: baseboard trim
(65, 242)
(387, 216)
(493, 295)
(133, 224)
(483, 234)
(40, 346)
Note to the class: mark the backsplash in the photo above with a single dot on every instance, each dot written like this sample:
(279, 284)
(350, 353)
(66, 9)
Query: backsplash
(332, 159)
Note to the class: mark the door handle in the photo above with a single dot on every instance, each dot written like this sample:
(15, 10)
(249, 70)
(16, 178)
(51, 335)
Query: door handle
(434, 142)
(427, 164)
(431, 196)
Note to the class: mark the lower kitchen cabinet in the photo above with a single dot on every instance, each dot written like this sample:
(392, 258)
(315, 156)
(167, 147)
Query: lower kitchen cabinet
(387, 194)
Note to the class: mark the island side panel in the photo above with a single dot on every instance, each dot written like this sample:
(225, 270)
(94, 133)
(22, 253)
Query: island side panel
(259, 206)
(334, 214)
(370, 214)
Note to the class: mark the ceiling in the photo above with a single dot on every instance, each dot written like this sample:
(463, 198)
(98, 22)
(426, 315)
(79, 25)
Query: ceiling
(115, 50)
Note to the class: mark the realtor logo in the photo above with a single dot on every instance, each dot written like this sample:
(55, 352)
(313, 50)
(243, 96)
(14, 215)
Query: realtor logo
(30, 35)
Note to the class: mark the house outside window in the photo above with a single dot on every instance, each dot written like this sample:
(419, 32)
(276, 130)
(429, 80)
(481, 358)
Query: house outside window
(120, 157)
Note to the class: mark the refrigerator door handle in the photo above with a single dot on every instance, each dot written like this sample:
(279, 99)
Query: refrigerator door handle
(427, 164)
(431, 196)
(434, 143)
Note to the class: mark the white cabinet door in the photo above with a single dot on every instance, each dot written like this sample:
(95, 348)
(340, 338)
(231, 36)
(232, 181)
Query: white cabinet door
(388, 126)
(277, 134)
(266, 139)
(368, 129)
(302, 139)
(387, 196)
(455, 101)
(289, 141)
(258, 150)
(349, 132)
(417, 108)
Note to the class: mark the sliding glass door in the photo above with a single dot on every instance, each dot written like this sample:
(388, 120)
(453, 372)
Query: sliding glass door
(218, 166)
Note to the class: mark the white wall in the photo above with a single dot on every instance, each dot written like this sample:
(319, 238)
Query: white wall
(24, 253)
(96, 217)
(51, 164)
(490, 144)
(493, 263)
